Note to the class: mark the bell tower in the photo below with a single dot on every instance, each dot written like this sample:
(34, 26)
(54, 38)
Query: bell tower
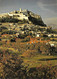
(20, 10)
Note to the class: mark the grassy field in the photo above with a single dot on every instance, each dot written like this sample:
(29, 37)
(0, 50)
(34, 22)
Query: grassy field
(40, 60)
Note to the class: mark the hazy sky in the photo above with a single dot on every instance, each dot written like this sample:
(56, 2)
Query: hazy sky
(46, 8)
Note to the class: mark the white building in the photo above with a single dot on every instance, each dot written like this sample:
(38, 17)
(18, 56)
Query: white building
(52, 45)
(20, 15)
(37, 35)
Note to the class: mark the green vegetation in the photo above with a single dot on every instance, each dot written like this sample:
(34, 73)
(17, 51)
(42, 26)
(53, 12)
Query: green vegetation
(39, 59)
(11, 66)
(22, 21)
(8, 19)
(12, 20)
(8, 32)
(27, 39)
(22, 36)
(27, 50)
(12, 40)
(51, 31)
(26, 61)
(55, 30)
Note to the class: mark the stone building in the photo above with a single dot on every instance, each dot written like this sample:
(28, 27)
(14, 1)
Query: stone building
(21, 15)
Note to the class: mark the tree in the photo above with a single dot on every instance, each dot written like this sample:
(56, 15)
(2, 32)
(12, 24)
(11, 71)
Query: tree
(12, 66)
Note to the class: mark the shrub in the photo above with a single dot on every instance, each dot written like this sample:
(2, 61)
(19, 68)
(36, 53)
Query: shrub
(8, 32)
(22, 36)
(3, 28)
(42, 72)
(8, 19)
(22, 21)
(29, 53)
(13, 40)
(11, 67)
(26, 39)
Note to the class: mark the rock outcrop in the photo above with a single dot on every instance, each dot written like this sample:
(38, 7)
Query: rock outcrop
(35, 19)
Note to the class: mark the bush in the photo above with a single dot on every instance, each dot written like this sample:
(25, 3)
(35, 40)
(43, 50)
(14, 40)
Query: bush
(22, 21)
(8, 32)
(42, 72)
(26, 39)
(3, 28)
(8, 19)
(11, 67)
(22, 36)
(13, 40)
(29, 53)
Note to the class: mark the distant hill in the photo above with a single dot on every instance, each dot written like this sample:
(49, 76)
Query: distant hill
(54, 26)
(51, 21)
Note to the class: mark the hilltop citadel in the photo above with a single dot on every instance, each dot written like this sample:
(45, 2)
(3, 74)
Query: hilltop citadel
(28, 24)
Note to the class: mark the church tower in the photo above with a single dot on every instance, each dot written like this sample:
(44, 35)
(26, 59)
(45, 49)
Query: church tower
(20, 10)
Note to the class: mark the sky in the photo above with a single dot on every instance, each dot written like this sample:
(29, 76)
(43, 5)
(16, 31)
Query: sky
(47, 9)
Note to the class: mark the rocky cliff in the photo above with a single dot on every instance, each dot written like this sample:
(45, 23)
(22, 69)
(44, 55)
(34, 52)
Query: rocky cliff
(36, 19)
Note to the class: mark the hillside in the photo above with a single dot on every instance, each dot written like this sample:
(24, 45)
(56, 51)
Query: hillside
(28, 48)
(24, 23)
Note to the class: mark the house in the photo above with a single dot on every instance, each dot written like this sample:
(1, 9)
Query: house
(17, 34)
(55, 35)
(37, 35)
(49, 35)
(52, 45)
